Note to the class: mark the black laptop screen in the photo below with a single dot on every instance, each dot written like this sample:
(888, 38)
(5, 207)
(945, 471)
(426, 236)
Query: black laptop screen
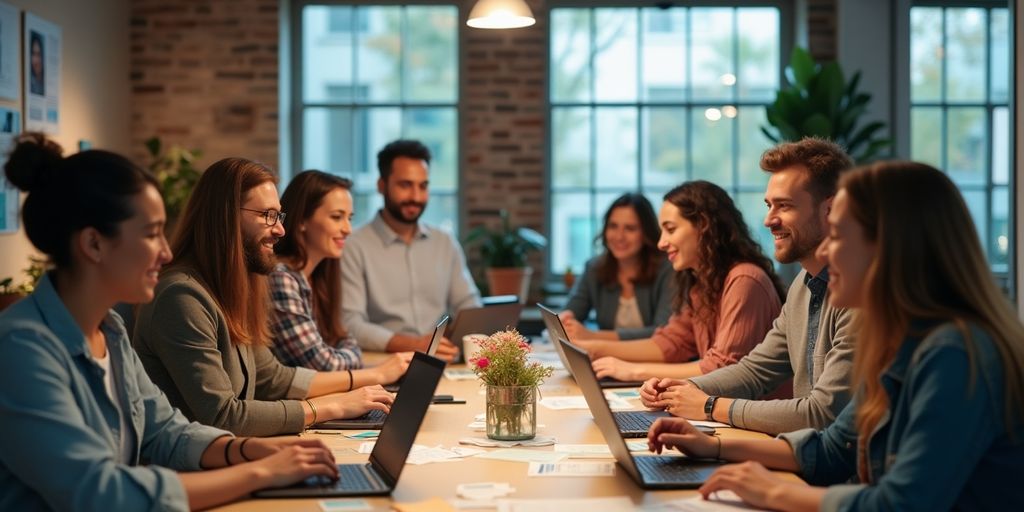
(399, 431)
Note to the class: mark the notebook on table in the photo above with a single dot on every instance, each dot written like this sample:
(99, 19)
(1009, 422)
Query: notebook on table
(649, 472)
(556, 330)
(380, 475)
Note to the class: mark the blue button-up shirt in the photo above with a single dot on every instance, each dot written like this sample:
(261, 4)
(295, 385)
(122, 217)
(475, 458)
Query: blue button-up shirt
(818, 285)
(943, 444)
(60, 445)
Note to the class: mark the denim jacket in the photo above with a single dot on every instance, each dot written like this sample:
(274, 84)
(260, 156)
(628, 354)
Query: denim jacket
(59, 441)
(943, 444)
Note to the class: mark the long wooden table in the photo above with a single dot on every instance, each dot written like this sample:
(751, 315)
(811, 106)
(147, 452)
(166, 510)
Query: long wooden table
(445, 424)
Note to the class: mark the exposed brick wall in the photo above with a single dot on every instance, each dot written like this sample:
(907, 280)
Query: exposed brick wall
(204, 75)
(505, 126)
(821, 29)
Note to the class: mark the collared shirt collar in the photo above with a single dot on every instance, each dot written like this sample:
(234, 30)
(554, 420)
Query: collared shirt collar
(388, 235)
(819, 283)
(57, 317)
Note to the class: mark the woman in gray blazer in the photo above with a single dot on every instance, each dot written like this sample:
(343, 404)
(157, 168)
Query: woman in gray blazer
(630, 284)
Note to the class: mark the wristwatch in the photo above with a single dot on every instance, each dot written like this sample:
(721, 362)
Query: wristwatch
(709, 407)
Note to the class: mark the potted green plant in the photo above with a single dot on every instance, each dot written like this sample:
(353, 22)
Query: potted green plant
(819, 102)
(511, 379)
(503, 253)
(175, 171)
(11, 293)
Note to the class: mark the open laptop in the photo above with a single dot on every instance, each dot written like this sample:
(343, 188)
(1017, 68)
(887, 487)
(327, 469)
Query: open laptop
(556, 330)
(649, 472)
(380, 475)
(496, 314)
(435, 341)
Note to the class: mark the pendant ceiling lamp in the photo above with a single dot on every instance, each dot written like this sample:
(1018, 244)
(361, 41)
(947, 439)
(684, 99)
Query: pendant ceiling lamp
(498, 14)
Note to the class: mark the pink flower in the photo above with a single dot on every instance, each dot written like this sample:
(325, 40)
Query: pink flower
(482, 363)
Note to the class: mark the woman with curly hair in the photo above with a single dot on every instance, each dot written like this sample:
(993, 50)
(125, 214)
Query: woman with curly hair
(727, 293)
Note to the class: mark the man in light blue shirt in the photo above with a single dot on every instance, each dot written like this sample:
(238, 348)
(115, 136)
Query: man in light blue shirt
(400, 275)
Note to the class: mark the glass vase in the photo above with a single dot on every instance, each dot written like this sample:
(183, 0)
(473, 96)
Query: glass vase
(511, 412)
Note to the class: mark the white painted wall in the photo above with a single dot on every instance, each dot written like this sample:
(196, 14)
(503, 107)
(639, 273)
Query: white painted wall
(95, 89)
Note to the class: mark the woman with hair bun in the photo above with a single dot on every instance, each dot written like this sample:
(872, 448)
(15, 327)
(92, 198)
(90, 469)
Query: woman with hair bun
(78, 414)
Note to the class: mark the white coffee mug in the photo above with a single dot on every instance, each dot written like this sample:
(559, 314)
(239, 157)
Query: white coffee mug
(471, 346)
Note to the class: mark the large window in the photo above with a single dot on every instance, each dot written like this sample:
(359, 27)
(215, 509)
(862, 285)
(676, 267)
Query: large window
(643, 99)
(373, 74)
(959, 118)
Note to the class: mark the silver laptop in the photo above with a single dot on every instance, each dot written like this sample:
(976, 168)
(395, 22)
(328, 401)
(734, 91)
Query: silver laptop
(380, 475)
(649, 472)
(556, 330)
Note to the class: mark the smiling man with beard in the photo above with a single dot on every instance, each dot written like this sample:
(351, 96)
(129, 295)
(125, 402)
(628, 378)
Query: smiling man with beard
(399, 274)
(204, 338)
(810, 342)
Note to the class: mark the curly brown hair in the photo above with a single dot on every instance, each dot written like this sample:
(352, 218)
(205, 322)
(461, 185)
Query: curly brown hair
(725, 242)
(821, 159)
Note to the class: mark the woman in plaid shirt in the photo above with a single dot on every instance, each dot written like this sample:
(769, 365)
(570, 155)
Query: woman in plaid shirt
(305, 287)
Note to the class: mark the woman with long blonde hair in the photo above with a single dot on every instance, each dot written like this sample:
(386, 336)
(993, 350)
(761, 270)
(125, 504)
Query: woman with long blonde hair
(938, 419)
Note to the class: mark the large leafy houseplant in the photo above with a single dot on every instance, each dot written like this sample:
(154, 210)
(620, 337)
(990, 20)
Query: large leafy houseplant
(819, 102)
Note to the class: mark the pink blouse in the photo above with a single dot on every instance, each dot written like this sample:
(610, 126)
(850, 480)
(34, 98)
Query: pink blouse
(745, 312)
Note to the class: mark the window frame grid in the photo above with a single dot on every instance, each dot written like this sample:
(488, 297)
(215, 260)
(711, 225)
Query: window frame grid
(295, 125)
(735, 188)
(944, 105)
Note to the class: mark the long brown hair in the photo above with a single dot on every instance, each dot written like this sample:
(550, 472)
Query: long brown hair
(207, 242)
(303, 196)
(649, 257)
(929, 266)
(725, 242)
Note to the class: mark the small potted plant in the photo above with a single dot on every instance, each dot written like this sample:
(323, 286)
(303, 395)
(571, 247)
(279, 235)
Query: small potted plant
(9, 293)
(504, 253)
(511, 380)
(174, 168)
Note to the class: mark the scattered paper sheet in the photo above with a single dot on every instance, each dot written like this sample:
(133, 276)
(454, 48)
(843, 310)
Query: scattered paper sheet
(721, 501)
(517, 455)
(571, 469)
(492, 443)
(584, 451)
(596, 451)
(616, 504)
(578, 402)
(459, 374)
(420, 454)
(343, 505)
(484, 491)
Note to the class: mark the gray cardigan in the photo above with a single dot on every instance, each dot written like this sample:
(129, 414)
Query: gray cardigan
(653, 299)
(817, 399)
(183, 342)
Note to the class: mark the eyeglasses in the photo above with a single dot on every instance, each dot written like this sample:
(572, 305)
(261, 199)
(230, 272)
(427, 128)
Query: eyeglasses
(271, 217)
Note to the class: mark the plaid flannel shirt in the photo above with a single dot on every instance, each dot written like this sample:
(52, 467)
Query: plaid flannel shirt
(297, 341)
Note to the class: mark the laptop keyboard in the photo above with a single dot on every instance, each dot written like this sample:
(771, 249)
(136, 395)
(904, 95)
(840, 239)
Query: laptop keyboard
(633, 424)
(359, 477)
(374, 415)
(668, 469)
